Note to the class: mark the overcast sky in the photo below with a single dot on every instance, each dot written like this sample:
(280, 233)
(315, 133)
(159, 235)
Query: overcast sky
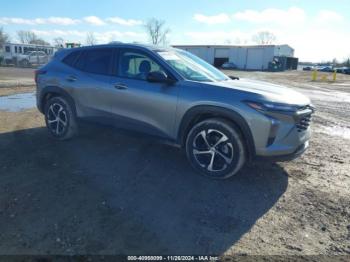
(316, 29)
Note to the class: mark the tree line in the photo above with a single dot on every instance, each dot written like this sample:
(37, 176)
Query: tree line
(156, 30)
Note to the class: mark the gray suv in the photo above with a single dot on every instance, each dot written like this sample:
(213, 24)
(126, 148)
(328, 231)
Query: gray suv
(221, 122)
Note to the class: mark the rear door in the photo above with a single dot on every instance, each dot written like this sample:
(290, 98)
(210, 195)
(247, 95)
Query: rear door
(42, 57)
(89, 82)
(32, 57)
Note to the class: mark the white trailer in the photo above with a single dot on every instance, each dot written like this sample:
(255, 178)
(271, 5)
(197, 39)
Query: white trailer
(26, 54)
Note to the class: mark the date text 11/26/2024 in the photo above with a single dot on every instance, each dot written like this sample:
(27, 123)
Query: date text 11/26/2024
(173, 258)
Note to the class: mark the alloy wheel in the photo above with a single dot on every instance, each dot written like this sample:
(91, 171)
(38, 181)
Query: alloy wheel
(57, 119)
(213, 150)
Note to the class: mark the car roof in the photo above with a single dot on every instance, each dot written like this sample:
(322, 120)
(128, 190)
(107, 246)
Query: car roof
(127, 45)
(60, 54)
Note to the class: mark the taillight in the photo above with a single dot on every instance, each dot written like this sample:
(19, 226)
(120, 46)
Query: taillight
(37, 73)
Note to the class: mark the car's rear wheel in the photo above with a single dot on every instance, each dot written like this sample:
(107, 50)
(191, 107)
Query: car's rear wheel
(215, 148)
(60, 118)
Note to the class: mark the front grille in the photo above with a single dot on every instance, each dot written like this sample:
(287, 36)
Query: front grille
(304, 118)
(303, 123)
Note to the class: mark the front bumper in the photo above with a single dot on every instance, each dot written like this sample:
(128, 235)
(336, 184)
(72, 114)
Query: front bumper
(287, 157)
(290, 138)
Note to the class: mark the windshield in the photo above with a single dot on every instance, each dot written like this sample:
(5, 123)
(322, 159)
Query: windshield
(192, 67)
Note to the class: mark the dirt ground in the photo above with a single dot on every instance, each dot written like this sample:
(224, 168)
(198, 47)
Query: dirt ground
(109, 192)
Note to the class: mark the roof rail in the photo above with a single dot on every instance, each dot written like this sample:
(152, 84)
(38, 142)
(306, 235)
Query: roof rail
(115, 42)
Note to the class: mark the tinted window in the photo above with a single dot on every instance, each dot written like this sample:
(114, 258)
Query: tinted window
(96, 61)
(192, 67)
(137, 65)
(7, 49)
(71, 58)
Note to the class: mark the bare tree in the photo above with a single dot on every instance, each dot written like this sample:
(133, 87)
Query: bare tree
(39, 41)
(335, 62)
(91, 39)
(29, 37)
(157, 31)
(3, 37)
(264, 38)
(237, 41)
(25, 37)
(58, 42)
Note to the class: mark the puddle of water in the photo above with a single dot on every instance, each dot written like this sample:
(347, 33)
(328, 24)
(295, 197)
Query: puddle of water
(343, 132)
(17, 102)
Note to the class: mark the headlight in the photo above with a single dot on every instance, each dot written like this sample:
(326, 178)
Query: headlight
(268, 106)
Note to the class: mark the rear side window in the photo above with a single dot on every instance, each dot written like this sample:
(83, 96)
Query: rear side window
(71, 58)
(96, 61)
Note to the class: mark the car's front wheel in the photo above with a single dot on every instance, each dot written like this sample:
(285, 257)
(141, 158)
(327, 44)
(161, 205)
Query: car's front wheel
(60, 118)
(215, 148)
(25, 63)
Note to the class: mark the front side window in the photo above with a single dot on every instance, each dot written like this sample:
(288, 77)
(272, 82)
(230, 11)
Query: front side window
(96, 61)
(136, 65)
(192, 67)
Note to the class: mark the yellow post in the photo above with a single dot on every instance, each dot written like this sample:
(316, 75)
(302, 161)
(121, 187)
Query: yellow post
(314, 75)
(334, 75)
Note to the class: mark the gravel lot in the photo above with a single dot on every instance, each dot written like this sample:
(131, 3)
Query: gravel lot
(108, 192)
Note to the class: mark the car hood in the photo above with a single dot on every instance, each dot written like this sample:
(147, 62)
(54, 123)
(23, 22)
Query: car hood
(267, 91)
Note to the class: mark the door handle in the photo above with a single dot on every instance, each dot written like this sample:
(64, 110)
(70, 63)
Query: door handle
(120, 86)
(71, 78)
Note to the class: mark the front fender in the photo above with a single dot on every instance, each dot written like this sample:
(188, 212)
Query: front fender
(214, 111)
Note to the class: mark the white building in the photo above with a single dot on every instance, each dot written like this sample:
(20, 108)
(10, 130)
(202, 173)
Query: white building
(256, 57)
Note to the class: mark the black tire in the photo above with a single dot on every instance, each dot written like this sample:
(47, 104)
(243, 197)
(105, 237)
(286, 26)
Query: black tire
(219, 162)
(25, 63)
(67, 122)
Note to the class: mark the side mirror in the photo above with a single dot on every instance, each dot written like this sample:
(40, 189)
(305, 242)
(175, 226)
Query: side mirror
(234, 77)
(159, 77)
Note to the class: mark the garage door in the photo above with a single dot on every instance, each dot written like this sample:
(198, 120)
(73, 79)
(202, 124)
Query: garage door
(221, 52)
(221, 56)
(255, 58)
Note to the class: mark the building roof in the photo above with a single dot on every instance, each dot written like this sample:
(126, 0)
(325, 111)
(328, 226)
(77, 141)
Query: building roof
(232, 46)
(34, 45)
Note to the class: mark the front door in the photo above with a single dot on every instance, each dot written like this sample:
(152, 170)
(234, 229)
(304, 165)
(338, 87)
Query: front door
(149, 107)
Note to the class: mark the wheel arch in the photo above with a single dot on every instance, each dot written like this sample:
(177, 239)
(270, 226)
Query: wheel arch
(53, 91)
(201, 113)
